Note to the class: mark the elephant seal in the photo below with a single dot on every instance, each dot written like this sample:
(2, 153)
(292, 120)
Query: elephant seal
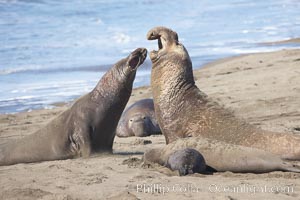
(186, 161)
(220, 156)
(183, 110)
(87, 127)
(138, 120)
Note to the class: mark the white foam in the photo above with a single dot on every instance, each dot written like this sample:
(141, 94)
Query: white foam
(121, 38)
(20, 98)
(272, 33)
(270, 28)
(19, 69)
(14, 91)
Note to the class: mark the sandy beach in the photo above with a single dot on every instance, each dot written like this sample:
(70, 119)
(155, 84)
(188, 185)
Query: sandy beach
(262, 88)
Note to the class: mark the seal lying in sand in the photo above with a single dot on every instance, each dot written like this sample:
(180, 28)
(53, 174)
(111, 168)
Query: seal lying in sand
(221, 156)
(182, 110)
(138, 120)
(87, 127)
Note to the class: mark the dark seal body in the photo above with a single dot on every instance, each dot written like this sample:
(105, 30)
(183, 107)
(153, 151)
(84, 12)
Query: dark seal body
(138, 120)
(87, 127)
(182, 110)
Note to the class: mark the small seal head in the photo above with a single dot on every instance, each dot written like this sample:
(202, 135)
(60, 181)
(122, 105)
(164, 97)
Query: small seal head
(140, 125)
(138, 120)
(186, 161)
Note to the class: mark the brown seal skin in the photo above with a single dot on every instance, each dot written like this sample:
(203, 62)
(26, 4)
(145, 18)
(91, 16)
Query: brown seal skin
(182, 110)
(87, 127)
(220, 156)
(138, 120)
(186, 161)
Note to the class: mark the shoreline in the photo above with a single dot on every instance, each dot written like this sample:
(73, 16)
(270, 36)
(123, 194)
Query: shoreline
(293, 43)
(262, 88)
(288, 41)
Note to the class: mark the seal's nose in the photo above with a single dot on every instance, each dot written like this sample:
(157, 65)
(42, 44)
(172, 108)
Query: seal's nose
(152, 35)
(166, 35)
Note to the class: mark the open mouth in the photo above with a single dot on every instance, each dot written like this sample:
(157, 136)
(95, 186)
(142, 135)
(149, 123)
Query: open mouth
(153, 36)
(167, 40)
(160, 46)
(139, 57)
(135, 62)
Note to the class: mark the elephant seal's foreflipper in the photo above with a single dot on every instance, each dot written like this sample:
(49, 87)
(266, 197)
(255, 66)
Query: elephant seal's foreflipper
(87, 127)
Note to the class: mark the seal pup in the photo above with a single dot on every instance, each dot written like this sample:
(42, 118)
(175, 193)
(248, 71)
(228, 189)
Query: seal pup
(138, 120)
(182, 110)
(87, 127)
(186, 161)
(221, 156)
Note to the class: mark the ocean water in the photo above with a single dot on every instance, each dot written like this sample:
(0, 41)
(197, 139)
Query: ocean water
(56, 50)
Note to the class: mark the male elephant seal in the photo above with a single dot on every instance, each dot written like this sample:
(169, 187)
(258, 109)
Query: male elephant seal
(182, 110)
(186, 161)
(221, 156)
(138, 120)
(87, 127)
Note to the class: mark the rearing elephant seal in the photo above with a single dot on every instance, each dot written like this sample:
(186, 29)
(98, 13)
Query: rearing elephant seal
(138, 120)
(182, 110)
(87, 127)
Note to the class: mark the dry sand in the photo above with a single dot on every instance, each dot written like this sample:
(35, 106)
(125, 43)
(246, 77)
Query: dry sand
(262, 88)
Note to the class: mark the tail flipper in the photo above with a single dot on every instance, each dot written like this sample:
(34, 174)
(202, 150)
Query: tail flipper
(289, 167)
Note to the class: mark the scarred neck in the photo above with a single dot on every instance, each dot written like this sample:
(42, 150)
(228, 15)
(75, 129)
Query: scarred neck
(113, 82)
(170, 80)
